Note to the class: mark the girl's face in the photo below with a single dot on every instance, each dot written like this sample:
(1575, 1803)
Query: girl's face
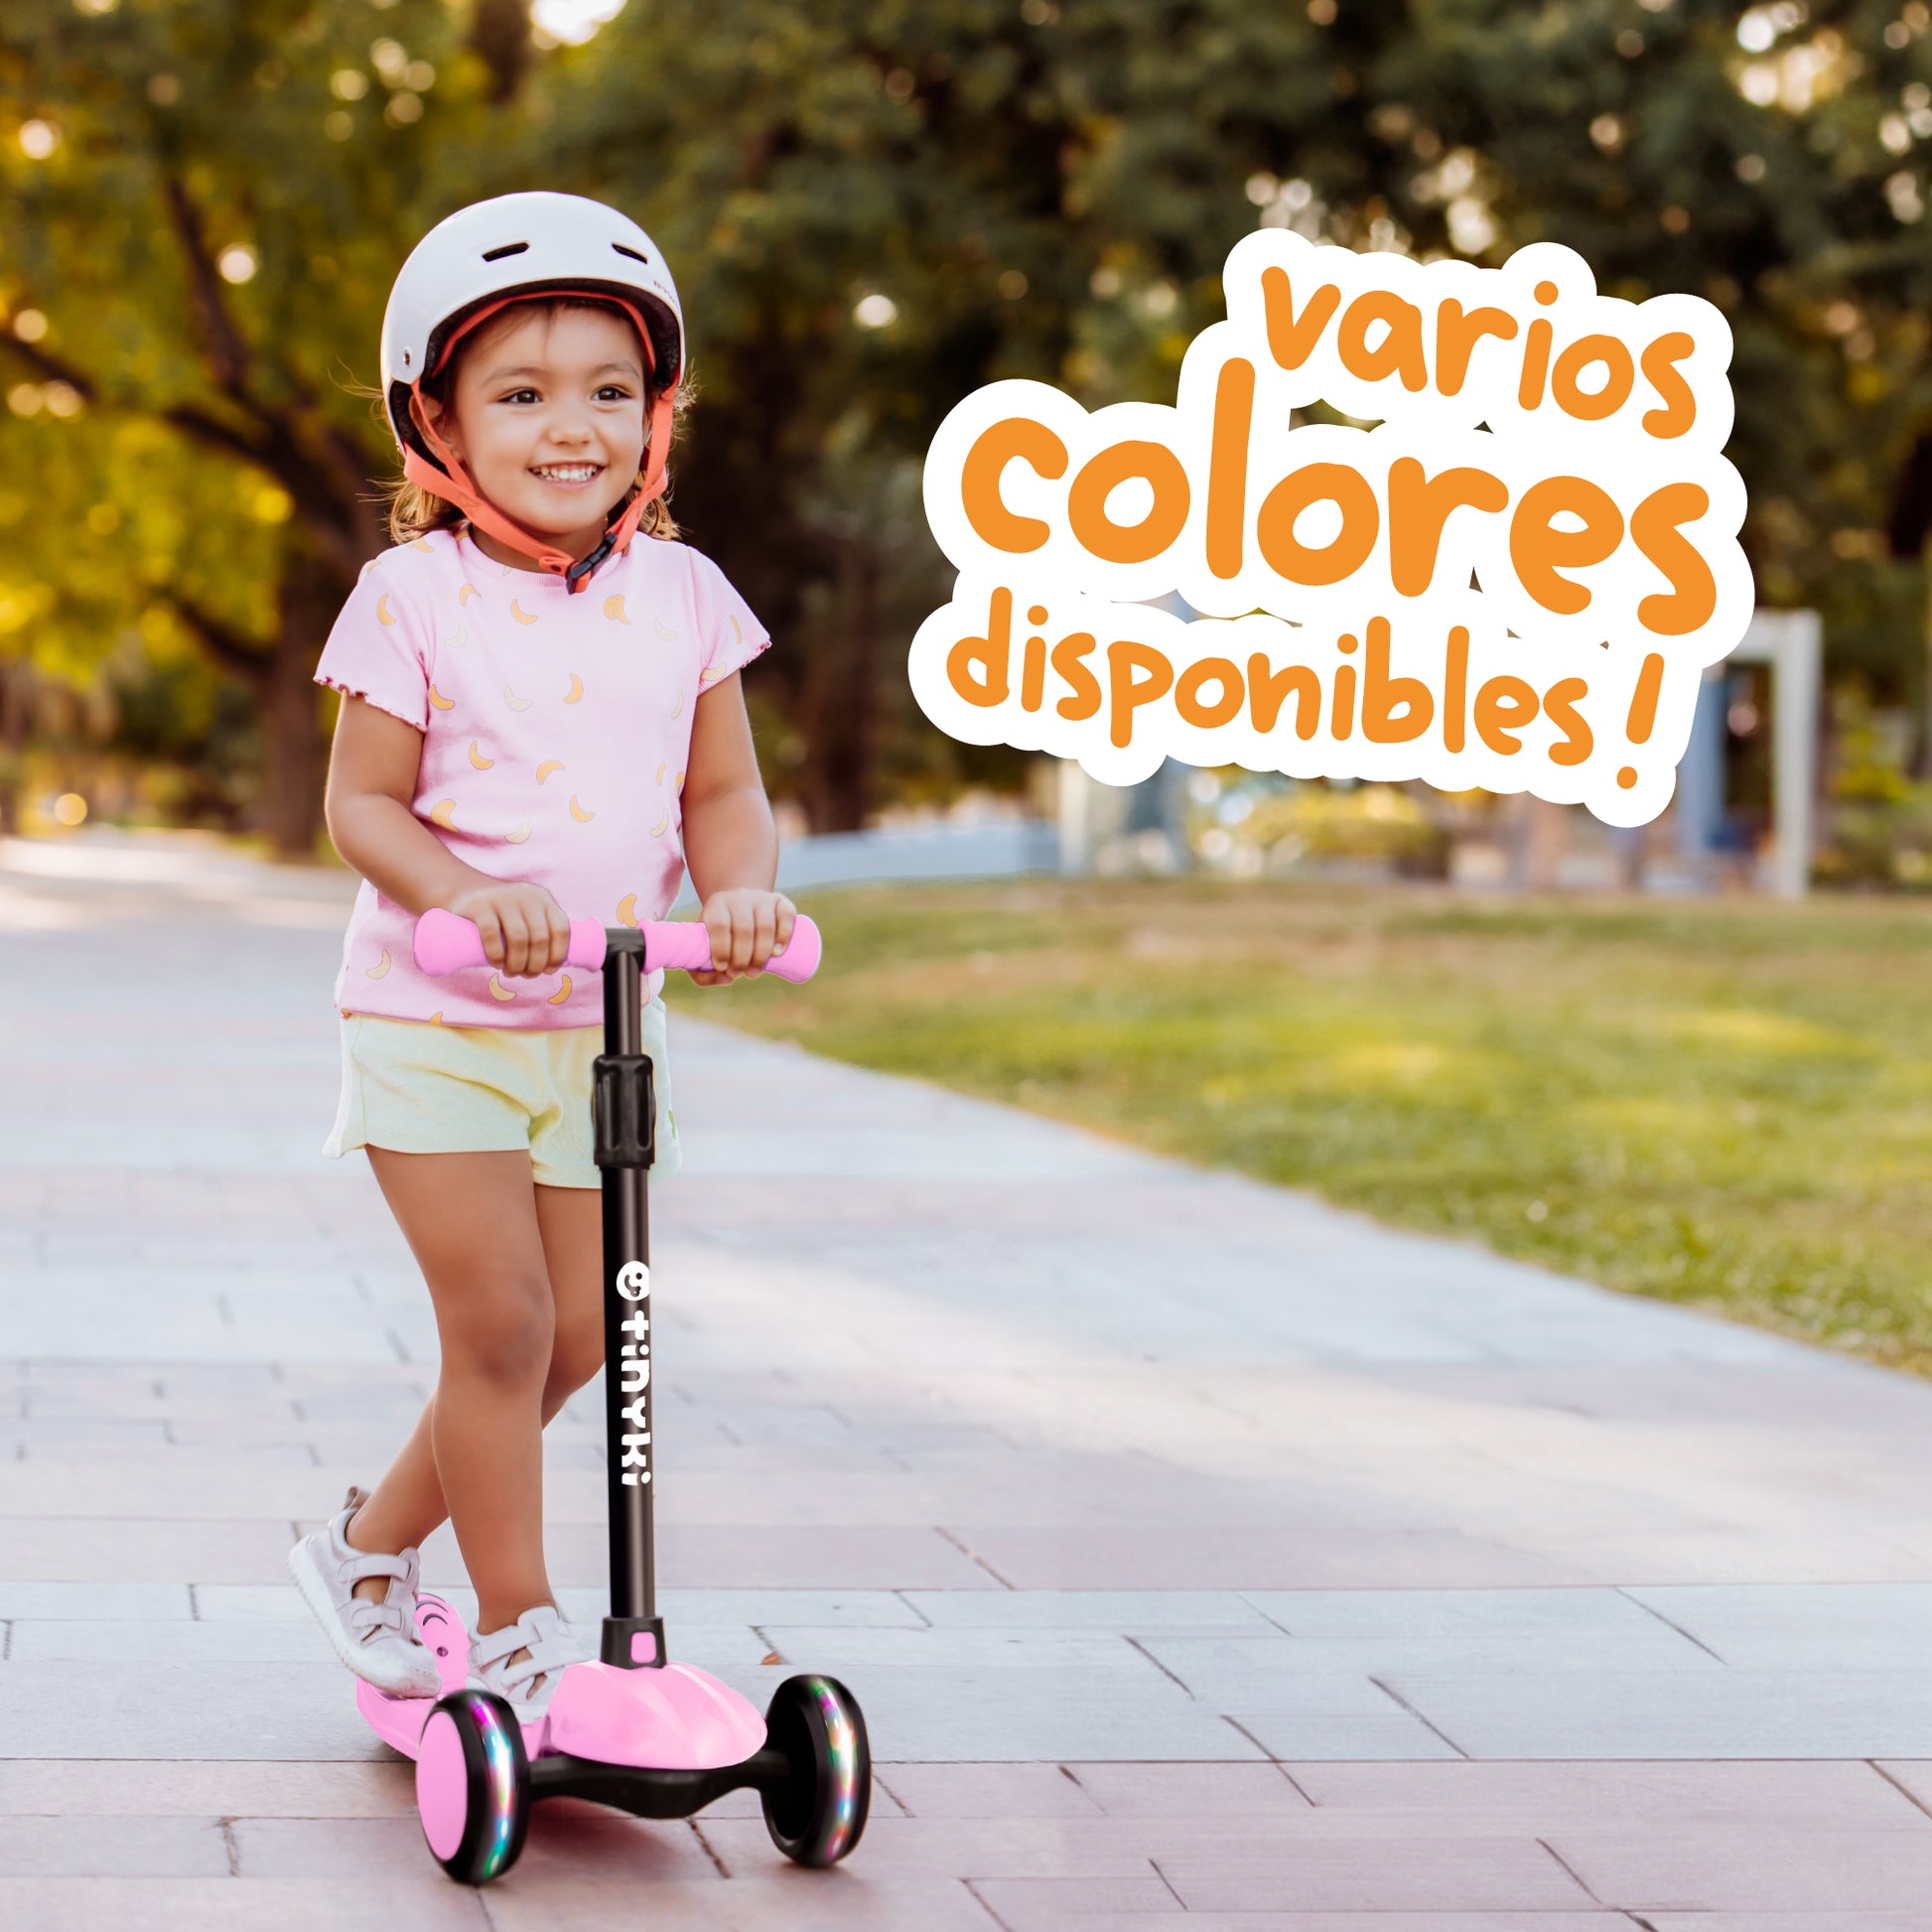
(548, 414)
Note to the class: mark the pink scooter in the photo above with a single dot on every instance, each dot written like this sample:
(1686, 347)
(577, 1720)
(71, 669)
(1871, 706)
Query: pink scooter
(633, 1729)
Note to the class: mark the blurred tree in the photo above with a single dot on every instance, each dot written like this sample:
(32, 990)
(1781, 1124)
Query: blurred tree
(872, 208)
(877, 207)
(1770, 157)
(204, 203)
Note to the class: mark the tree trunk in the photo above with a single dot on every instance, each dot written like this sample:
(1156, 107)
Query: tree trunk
(842, 702)
(16, 701)
(1924, 768)
(292, 764)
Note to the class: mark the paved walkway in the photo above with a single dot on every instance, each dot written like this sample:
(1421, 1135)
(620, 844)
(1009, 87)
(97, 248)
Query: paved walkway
(1195, 1549)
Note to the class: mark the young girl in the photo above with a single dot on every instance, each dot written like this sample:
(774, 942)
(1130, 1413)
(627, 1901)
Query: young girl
(540, 721)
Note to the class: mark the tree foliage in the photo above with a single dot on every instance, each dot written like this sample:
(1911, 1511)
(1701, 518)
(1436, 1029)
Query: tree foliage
(204, 203)
(872, 207)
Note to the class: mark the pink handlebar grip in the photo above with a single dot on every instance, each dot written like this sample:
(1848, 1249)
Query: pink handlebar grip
(446, 943)
(686, 945)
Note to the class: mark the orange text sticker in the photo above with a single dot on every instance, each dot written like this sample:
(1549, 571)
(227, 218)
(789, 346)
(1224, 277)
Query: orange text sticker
(1508, 569)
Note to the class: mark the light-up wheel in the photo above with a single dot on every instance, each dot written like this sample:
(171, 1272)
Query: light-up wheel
(819, 1815)
(473, 1786)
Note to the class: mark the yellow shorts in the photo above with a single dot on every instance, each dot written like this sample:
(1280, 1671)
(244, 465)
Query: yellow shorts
(421, 1089)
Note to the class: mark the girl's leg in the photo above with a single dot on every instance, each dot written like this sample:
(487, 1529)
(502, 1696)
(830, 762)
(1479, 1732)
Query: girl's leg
(571, 1221)
(410, 1501)
(476, 1454)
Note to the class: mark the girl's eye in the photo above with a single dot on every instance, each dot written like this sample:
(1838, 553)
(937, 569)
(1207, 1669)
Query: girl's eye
(606, 393)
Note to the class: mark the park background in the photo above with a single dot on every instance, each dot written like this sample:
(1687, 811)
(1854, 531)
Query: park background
(872, 209)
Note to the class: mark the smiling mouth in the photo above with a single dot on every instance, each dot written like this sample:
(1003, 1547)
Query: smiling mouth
(567, 473)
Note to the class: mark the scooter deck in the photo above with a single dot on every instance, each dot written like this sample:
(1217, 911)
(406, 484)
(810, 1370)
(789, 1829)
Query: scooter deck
(645, 1790)
(398, 1721)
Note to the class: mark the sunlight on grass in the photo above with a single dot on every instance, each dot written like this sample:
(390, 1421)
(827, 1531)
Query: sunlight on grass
(1388, 1063)
(1749, 1032)
(1728, 1105)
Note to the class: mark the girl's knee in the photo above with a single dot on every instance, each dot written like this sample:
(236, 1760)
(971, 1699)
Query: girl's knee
(575, 1356)
(502, 1330)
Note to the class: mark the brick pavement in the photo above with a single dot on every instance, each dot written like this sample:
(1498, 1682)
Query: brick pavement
(1195, 1550)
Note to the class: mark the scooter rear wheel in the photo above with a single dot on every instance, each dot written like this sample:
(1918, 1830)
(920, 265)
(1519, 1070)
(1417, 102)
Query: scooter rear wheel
(473, 1786)
(821, 1813)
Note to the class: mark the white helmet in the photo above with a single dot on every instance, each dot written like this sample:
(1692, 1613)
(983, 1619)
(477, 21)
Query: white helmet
(513, 248)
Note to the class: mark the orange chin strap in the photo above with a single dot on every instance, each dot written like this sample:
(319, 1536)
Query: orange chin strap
(452, 481)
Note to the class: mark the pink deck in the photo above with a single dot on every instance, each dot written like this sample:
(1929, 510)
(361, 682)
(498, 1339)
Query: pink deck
(677, 1718)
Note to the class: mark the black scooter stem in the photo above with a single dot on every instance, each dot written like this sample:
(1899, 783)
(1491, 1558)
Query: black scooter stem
(625, 1113)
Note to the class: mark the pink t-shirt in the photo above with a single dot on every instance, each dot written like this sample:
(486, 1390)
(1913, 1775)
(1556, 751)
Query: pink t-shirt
(556, 728)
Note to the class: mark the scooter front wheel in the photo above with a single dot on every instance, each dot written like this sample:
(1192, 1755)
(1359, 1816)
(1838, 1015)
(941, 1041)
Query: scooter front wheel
(819, 1814)
(473, 1786)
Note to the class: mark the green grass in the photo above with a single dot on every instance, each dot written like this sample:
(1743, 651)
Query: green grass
(1727, 1105)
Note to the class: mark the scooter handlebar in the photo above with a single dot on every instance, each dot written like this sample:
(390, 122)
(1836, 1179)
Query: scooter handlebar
(446, 943)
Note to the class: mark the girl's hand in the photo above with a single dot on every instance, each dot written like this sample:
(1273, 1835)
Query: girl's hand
(747, 927)
(525, 932)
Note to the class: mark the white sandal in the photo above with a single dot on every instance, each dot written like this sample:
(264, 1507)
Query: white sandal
(377, 1641)
(526, 1683)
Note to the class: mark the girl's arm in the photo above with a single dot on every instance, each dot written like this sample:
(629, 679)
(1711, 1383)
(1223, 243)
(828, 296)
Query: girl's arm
(730, 846)
(372, 772)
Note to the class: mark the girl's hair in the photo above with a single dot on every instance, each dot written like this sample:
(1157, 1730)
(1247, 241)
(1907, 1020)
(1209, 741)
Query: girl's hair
(414, 511)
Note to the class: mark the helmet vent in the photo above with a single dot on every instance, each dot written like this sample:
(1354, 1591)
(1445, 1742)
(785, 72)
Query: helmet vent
(632, 252)
(508, 248)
